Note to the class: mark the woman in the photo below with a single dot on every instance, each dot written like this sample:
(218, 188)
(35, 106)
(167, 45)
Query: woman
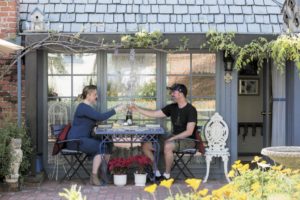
(85, 119)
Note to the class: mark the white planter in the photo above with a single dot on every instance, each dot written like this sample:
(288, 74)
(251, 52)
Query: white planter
(140, 179)
(120, 180)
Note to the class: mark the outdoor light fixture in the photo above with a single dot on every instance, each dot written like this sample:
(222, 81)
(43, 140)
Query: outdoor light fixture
(228, 67)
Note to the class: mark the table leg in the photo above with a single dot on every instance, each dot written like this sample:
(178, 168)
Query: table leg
(156, 156)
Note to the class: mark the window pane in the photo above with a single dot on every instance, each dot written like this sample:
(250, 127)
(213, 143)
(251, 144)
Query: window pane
(178, 64)
(131, 86)
(204, 86)
(59, 63)
(203, 63)
(79, 82)
(84, 64)
(205, 107)
(120, 64)
(178, 79)
(59, 86)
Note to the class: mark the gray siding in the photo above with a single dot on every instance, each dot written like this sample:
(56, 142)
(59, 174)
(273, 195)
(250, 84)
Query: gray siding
(168, 16)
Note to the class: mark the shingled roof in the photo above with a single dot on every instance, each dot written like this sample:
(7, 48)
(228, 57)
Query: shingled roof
(168, 16)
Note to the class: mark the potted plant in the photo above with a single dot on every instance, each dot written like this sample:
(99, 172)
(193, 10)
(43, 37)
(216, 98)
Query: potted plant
(140, 163)
(15, 151)
(119, 167)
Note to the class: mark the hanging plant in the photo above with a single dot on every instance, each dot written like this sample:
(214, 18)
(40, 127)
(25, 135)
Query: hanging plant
(257, 51)
(143, 39)
(217, 41)
(286, 48)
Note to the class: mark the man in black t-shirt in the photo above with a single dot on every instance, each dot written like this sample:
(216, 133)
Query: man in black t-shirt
(184, 122)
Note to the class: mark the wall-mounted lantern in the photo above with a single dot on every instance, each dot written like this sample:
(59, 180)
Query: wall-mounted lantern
(228, 67)
(37, 20)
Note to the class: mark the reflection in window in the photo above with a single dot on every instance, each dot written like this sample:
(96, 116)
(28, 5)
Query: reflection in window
(131, 80)
(59, 63)
(197, 72)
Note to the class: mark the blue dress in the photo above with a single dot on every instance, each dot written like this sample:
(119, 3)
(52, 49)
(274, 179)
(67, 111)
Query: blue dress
(85, 119)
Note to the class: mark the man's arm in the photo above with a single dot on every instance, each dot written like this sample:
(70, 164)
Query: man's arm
(188, 132)
(148, 113)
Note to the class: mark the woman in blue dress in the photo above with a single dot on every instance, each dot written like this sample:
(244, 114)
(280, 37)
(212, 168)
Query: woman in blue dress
(85, 119)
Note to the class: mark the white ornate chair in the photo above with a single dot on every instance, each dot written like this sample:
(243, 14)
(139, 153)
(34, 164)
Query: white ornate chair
(57, 114)
(216, 133)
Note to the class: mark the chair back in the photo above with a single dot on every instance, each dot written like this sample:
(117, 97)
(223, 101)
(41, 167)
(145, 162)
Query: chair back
(62, 134)
(216, 134)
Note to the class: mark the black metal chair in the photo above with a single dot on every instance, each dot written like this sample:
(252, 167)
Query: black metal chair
(74, 157)
(179, 156)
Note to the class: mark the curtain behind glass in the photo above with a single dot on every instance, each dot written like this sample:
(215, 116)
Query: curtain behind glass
(278, 113)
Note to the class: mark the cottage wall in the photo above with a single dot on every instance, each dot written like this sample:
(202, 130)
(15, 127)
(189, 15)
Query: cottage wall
(9, 17)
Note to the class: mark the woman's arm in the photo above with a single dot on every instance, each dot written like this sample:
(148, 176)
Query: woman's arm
(91, 113)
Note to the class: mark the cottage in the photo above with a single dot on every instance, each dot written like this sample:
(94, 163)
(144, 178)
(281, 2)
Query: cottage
(259, 108)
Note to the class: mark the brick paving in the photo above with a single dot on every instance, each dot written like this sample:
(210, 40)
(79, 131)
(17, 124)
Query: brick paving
(50, 189)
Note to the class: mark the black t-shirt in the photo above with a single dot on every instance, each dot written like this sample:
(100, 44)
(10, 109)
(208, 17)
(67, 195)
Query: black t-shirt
(181, 116)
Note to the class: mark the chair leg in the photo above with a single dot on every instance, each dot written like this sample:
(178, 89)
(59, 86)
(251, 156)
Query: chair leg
(225, 161)
(184, 167)
(74, 167)
(208, 160)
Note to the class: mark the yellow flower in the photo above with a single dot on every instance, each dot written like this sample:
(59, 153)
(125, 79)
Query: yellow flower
(207, 198)
(256, 159)
(255, 186)
(167, 183)
(277, 168)
(237, 162)
(231, 174)
(193, 183)
(286, 171)
(244, 168)
(151, 188)
(203, 192)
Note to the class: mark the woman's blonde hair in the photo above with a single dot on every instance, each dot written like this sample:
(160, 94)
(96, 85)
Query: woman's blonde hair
(87, 89)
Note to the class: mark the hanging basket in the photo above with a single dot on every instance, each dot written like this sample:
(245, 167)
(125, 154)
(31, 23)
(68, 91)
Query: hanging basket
(120, 179)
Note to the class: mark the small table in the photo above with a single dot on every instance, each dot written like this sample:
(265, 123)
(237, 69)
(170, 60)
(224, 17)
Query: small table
(132, 134)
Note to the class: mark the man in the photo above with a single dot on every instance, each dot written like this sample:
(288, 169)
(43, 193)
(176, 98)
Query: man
(184, 124)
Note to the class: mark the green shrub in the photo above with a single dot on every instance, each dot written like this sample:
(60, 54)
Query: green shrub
(9, 130)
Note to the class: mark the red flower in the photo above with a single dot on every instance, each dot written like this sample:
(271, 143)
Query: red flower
(140, 162)
(119, 165)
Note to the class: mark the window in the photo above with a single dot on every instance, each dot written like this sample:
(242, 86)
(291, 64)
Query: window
(197, 72)
(129, 80)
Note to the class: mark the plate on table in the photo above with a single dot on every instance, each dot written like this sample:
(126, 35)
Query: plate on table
(104, 125)
(152, 125)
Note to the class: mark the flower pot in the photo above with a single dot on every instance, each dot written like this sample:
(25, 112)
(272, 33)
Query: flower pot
(120, 179)
(140, 179)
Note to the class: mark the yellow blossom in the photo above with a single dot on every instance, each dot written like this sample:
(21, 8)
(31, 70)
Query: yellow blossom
(244, 168)
(277, 168)
(256, 159)
(167, 183)
(237, 162)
(203, 192)
(151, 188)
(231, 174)
(255, 186)
(286, 171)
(193, 183)
(206, 198)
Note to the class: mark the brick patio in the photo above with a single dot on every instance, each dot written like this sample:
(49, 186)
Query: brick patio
(50, 189)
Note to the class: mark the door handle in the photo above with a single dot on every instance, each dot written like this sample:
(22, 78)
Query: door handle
(266, 113)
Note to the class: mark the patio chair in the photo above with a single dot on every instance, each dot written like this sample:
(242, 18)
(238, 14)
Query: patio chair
(75, 158)
(216, 134)
(183, 157)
